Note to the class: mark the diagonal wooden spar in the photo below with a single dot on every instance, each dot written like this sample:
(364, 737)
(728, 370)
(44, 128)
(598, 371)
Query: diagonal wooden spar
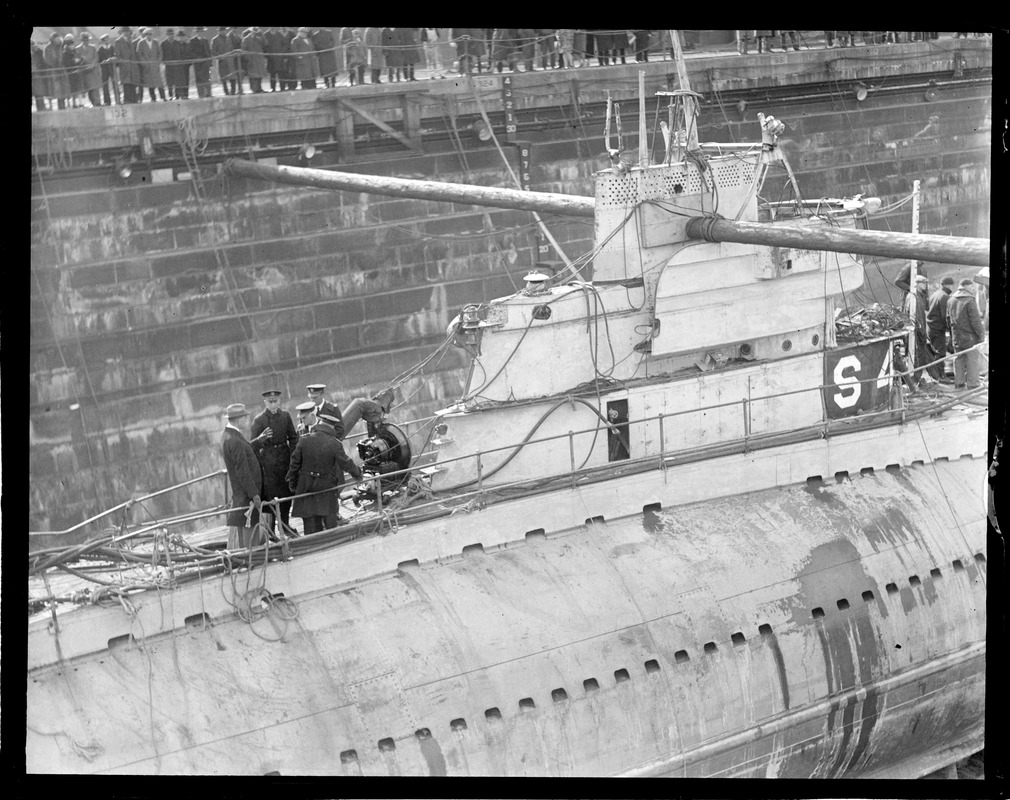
(924, 247)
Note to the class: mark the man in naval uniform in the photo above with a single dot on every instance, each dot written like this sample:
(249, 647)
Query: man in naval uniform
(274, 438)
(316, 393)
(317, 465)
(246, 479)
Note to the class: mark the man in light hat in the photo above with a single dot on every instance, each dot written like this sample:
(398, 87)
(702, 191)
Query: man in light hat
(317, 465)
(246, 479)
(91, 70)
(106, 58)
(966, 331)
(323, 406)
(59, 80)
(274, 438)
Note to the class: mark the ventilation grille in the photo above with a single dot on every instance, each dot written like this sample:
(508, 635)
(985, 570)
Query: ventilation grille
(659, 183)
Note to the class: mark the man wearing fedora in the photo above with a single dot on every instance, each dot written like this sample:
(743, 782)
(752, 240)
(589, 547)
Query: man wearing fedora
(317, 465)
(246, 479)
(274, 438)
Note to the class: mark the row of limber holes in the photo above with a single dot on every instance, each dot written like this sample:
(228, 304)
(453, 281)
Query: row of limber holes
(892, 588)
(651, 666)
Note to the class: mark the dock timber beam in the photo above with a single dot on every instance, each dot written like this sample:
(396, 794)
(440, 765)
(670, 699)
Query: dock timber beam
(923, 247)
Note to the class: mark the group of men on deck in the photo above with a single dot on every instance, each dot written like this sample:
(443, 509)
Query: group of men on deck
(946, 311)
(282, 460)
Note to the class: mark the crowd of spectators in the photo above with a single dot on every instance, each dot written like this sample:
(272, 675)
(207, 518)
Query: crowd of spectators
(122, 65)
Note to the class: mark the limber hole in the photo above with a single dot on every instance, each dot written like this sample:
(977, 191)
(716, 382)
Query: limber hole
(958, 566)
(492, 713)
(348, 756)
(710, 647)
(681, 656)
(198, 621)
(651, 666)
(935, 573)
(125, 640)
(458, 724)
(538, 533)
(765, 630)
(738, 638)
(842, 604)
(590, 685)
(652, 507)
(980, 558)
(526, 704)
(913, 580)
(817, 612)
(423, 733)
(892, 588)
(385, 745)
(597, 518)
(473, 549)
(621, 675)
(867, 596)
(409, 564)
(558, 695)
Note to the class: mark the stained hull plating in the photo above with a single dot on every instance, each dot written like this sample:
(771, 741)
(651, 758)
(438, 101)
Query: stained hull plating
(758, 624)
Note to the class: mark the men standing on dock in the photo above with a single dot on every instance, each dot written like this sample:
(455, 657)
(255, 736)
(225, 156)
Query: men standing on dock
(246, 479)
(323, 406)
(966, 332)
(317, 465)
(274, 439)
(937, 326)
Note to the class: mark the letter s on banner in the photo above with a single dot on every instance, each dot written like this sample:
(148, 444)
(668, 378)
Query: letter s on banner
(848, 384)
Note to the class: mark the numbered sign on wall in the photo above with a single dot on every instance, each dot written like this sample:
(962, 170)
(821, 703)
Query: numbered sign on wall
(857, 379)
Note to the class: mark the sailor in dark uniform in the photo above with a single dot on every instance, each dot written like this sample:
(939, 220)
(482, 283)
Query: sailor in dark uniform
(323, 406)
(317, 465)
(274, 439)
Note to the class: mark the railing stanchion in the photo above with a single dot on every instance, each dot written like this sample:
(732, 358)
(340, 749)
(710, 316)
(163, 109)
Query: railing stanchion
(662, 444)
(480, 477)
(571, 453)
(746, 424)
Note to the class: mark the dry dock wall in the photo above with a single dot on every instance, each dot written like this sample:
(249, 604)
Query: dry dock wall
(156, 300)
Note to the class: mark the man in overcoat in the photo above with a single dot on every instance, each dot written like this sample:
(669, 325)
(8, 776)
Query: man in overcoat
(149, 57)
(106, 54)
(59, 81)
(91, 70)
(317, 465)
(185, 57)
(966, 331)
(246, 480)
(274, 438)
(170, 57)
(240, 66)
(40, 84)
(936, 325)
(373, 52)
(125, 51)
(322, 39)
(199, 52)
(71, 63)
(391, 53)
(410, 52)
(255, 60)
(221, 48)
(276, 46)
(356, 56)
(304, 64)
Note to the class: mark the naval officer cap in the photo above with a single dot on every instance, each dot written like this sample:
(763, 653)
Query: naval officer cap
(236, 410)
(303, 407)
(272, 393)
(316, 387)
(328, 418)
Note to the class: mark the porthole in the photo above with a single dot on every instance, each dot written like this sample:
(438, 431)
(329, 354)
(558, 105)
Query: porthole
(787, 345)
(815, 339)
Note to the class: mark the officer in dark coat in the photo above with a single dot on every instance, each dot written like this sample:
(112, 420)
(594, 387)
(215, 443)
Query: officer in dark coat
(303, 60)
(323, 406)
(246, 479)
(274, 438)
(966, 331)
(125, 50)
(317, 465)
(221, 47)
(199, 51)
(170, 58)
(936, 325)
